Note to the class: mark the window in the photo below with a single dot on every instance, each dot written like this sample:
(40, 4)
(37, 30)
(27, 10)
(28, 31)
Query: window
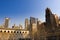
(17, 32)
(23, 32)
(20, 31)
(14, 31)
(1, 31)
(4, 31)
(8, 31)
(11, 31)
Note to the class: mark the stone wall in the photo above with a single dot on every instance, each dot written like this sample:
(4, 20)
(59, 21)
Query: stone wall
(13, 34)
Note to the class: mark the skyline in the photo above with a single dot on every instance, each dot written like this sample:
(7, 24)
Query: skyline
(18, 10)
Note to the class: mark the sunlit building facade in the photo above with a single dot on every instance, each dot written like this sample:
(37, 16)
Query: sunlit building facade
(34, 29)
(6, 24)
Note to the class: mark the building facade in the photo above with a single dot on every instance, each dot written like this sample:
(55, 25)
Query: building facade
(34, 29)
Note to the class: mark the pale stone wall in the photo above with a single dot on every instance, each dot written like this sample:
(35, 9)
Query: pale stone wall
(13, 34)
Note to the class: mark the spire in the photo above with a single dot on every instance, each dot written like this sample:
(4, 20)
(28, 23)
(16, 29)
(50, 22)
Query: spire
(48, 10)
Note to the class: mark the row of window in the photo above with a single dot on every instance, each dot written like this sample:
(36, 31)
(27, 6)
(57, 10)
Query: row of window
(13, 31)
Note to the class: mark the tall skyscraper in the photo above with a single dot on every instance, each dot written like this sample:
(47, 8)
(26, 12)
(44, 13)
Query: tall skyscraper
(32, 27)
(50, 20)
(34, 31)
(32, 20)
(48, 17)
(38, 24)
(26, 23)
(6, 23)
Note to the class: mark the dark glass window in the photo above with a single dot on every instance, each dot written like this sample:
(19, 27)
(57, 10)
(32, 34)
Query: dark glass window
(20, 31)
(14, 31)
(8, 31)
(4, 31)
(1, 31)
(17, 32)
(11, 31)
(23, 32)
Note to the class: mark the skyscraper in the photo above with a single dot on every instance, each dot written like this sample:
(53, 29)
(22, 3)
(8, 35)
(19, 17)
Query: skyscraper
(32, 27)
(32, 20)
(26, 23)
(34, 31)
(6, 23)
(48, 17)
(50, 20)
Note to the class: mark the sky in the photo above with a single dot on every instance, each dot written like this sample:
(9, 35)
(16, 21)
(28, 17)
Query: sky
(18, 10)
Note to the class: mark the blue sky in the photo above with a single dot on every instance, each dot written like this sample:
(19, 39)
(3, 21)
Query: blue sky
(18, 10)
